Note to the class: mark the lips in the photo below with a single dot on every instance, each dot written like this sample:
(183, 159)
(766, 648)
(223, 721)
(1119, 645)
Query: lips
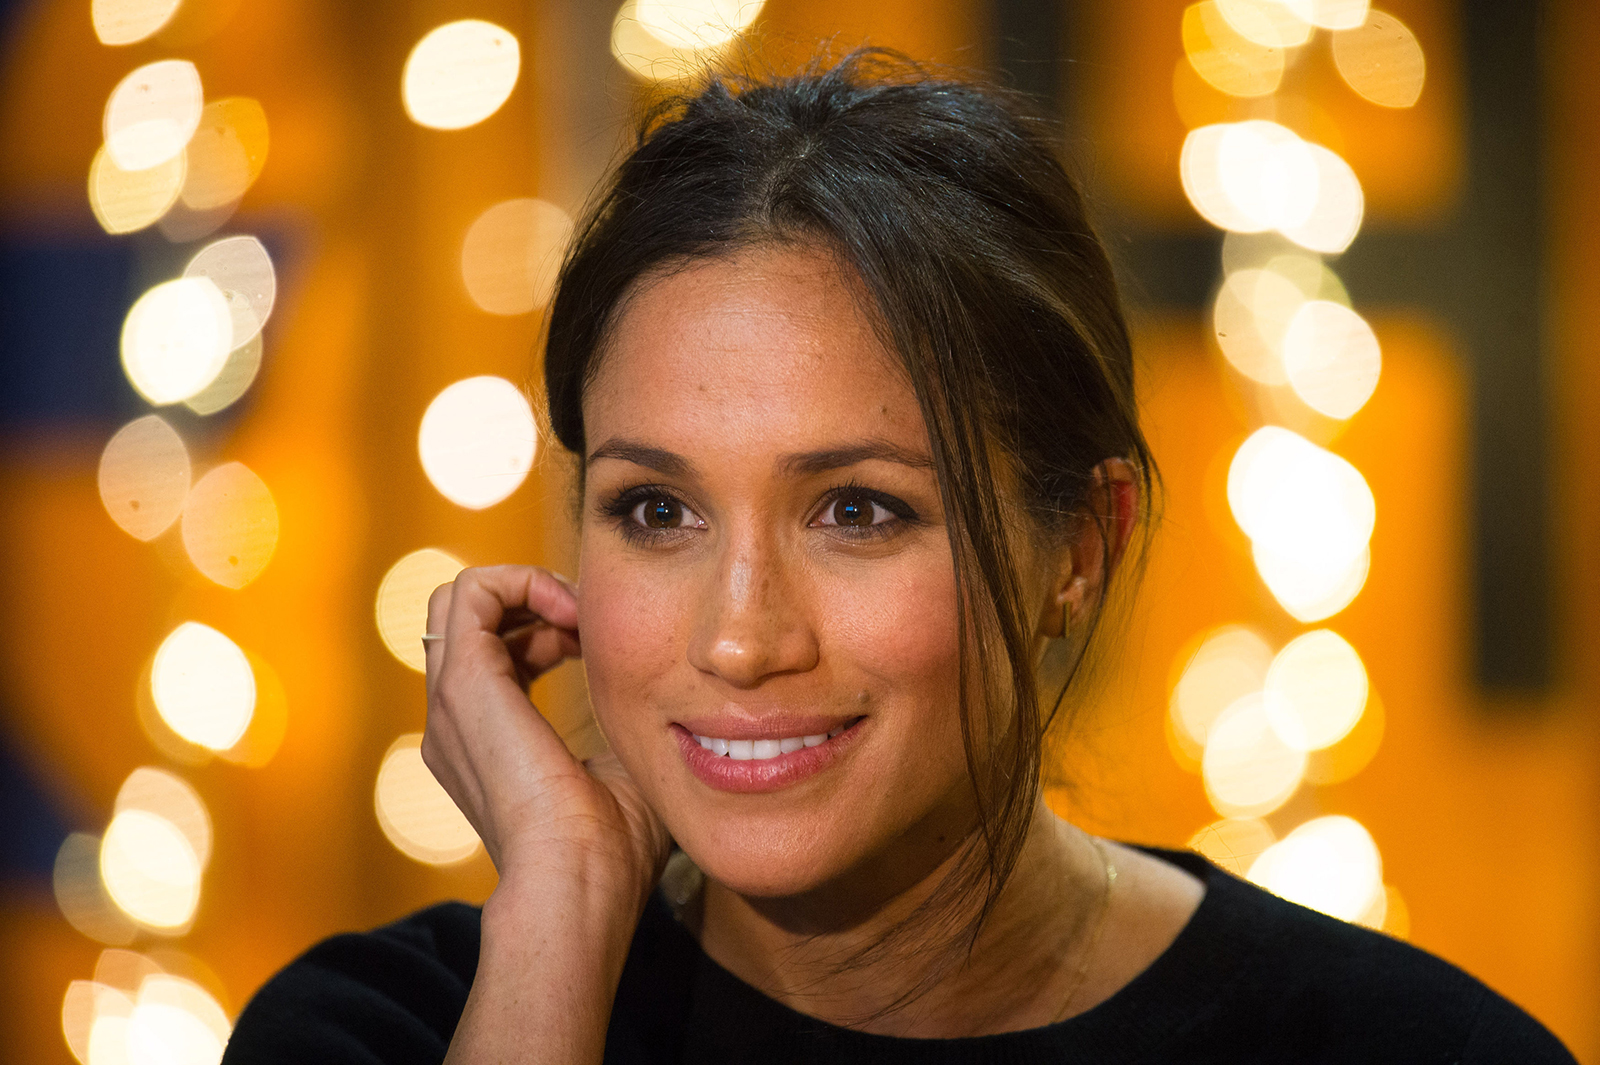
(763, 756)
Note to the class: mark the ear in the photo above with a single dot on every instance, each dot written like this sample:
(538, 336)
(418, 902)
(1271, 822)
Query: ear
(1086, 561)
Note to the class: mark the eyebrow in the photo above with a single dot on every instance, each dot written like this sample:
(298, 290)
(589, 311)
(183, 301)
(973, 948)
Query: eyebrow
(836, 458)
(798, 464)
(656, 458)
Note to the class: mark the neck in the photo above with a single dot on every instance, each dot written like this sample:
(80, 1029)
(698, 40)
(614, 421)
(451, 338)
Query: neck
(814, 953)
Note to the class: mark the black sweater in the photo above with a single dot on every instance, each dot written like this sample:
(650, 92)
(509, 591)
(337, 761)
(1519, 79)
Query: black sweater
(1251, 979)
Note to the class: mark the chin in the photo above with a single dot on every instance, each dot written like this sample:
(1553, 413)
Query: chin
(765, 858)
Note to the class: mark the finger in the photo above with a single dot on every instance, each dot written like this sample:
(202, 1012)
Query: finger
(438, 614)
(537, 644)
(500, 594)
(484, 597)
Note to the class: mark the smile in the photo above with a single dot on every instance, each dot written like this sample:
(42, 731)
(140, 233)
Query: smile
(760, 750)
(763, 763)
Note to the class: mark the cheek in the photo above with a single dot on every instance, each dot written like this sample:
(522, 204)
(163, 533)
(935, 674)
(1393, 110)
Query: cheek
(899, 628)
(633, 629)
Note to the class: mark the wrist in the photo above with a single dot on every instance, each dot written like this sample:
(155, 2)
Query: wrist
(594, 907)
(551, 956)
(541, 872)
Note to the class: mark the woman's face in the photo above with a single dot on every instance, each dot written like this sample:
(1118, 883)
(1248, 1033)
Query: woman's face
(766, 596)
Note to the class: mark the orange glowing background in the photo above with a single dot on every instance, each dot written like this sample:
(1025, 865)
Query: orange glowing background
(325, 235)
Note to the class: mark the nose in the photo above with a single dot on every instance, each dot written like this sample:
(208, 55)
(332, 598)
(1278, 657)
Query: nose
(750, 624)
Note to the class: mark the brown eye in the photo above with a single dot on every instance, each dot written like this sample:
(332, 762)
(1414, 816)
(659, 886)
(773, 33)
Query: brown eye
(854, 510)
(661, 512)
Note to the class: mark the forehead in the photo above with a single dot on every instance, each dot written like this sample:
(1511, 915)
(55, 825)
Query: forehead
(758, 352)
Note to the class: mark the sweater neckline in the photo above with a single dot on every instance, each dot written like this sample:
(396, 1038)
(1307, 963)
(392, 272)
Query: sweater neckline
(1187, 982)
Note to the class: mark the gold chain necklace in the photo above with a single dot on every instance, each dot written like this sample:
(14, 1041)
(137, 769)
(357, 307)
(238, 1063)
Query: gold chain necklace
(1094, 938)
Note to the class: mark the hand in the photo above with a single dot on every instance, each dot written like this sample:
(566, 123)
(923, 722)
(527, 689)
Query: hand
(539, 811)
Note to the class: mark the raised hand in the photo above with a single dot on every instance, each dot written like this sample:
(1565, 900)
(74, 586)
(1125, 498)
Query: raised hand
(540, 812)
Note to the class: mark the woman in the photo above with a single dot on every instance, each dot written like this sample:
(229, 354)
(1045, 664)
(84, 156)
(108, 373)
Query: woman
(845, 373)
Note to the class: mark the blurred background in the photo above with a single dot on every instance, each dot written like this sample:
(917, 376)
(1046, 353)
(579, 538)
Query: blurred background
(272, 280)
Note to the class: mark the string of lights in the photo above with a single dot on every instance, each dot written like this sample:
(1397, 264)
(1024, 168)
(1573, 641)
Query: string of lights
(1259, 724)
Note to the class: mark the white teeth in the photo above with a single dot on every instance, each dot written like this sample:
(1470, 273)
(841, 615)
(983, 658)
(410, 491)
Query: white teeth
(756, 750)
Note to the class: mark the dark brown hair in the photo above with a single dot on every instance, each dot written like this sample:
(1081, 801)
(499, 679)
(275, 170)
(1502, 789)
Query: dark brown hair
(988, 282)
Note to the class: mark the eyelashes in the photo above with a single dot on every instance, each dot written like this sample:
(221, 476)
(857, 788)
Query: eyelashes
(656, 514)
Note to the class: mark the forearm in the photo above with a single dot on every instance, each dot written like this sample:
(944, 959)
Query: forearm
(551, 957)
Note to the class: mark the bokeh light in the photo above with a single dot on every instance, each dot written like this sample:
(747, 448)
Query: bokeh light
(150, 870)
(661, 40)
(1251, 314)
(1330, 14)
(152, 113)
(696, 24)
(161, 1019)
(269, 723)
(230, 525)
(1311, 589)
(241, 268)
(1309, 515)
(124, 201)
(1382, 60)
(1266, 22)
(1252, 176)
(1329, 864)
(232, 382)
(1285, 490)
(1247, 769)
(203, 686)
(1230, 663)
(1270, 250)
(81, 894)
(418, 815)
(1267, 281)
(175, 1022)
(94, 1020)
(1235, 62)
(78, 1011)
(124, 970)
(512, 253)
(176, 339)
(1331, 357)
(226, 153)
(459, 74)
(171, 798)
(119, 22)
(1234, 843)
(144, 477)
(1268, 173)
(1352, 754)
(402, 606)
(108, 1038)
(1200, 169)
(478, 441)
(645, 55)
(1340, 205)
(1315, 690)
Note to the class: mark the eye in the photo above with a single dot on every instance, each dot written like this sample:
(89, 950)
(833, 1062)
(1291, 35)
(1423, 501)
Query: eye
(664, 512)
(855, 510)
